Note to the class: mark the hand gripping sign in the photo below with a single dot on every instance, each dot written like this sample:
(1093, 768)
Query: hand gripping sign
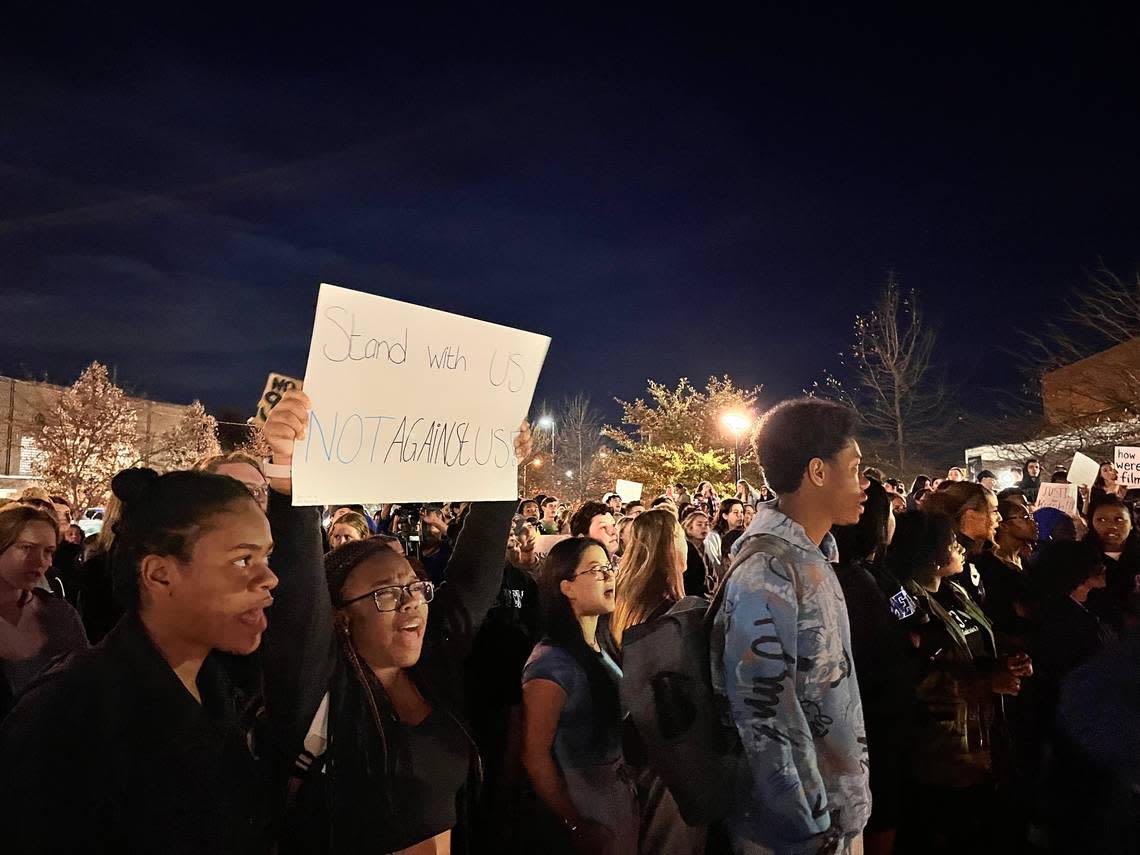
(411, 404)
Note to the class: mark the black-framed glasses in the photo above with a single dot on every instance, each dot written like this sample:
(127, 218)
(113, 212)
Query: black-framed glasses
(602, 572)
(391, 597)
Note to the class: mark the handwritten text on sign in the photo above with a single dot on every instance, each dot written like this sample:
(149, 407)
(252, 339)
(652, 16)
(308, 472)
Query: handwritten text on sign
(411, 404)
(1063, 497)
(1128, 465)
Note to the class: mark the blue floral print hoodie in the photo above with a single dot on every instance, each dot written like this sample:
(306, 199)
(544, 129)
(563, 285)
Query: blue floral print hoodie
(781, 654)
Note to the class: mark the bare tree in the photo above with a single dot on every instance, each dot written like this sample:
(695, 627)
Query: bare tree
(1071, 401)
(579, 439)
(90, 434)
(893, 386)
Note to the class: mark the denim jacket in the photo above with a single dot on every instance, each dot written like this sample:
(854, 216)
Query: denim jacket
(786, 669)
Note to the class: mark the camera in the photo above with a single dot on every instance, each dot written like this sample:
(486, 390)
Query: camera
(407, 527)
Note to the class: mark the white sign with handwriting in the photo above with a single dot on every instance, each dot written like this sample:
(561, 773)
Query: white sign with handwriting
(411, 404)
(1063, 497)
(1128, 465)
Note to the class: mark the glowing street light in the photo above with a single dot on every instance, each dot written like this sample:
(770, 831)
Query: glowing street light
(548, 423)
(569, 473)
(737, 424)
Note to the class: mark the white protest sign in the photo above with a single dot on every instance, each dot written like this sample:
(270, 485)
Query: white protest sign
(1128, 465)
(1083, 470)
(411, 404)
(630, 491)
(1063, 497)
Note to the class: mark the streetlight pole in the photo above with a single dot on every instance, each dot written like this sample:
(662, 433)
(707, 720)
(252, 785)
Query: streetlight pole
(548, 422)
(737, 424)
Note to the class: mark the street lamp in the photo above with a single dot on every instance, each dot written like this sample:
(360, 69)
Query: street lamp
(737, 424)
(548, 423)
(569, 473)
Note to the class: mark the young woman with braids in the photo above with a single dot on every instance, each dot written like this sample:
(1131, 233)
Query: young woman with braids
(145, 743)
(384, 759)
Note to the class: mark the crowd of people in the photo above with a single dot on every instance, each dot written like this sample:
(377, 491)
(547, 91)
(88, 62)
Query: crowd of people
(944, 668)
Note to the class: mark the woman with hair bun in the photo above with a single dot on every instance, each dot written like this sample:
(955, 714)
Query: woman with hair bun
(143, 743)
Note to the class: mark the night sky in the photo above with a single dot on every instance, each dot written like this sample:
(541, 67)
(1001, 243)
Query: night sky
(663, 196)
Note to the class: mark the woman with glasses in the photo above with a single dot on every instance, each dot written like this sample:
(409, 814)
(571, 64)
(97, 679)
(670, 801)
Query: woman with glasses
(1010, 598)
(371, 655)
(650, 581)
(241, 467)
(572, 746)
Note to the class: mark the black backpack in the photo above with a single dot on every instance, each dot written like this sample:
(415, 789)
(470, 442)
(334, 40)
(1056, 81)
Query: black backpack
(684, 724)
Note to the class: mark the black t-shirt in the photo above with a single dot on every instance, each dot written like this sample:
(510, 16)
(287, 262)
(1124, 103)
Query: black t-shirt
(503, 644)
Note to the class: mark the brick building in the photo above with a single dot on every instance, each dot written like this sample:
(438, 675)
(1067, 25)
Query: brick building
(23, 404)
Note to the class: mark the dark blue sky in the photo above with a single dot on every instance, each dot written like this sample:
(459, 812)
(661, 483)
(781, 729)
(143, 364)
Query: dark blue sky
(663, 196)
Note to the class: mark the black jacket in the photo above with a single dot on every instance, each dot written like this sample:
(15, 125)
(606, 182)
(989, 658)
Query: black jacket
(108, 752)
(302, 663)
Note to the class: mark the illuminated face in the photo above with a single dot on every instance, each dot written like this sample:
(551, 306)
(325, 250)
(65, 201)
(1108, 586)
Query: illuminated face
(23, 564)
(735, 517)
(615, 505)
(978, 524)
(218, 598)
(749, 515)
(591, 590)
(1112, 524)
(954, 474)
(1107, 472)
(844, 484)
(385, 639)
(697, 527)
(603, 528)
(529, 509)
(1033, 469)
(342, 533)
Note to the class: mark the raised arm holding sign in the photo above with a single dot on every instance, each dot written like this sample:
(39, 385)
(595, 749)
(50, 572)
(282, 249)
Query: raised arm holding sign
(411, 404)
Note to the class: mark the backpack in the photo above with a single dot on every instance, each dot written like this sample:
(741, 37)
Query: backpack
(685, 726)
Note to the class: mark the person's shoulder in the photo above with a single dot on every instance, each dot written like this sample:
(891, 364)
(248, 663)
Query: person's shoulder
(54, 608)
(551, 662)
(64, 695)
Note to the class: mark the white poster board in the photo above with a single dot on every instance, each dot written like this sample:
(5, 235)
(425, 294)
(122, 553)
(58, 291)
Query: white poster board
(1083, 470)
(1063, 497)
(630, 491)
(411, 404)
(1127, 465)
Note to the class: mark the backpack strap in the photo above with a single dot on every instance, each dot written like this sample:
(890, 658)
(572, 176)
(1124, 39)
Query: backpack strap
(769, 543)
